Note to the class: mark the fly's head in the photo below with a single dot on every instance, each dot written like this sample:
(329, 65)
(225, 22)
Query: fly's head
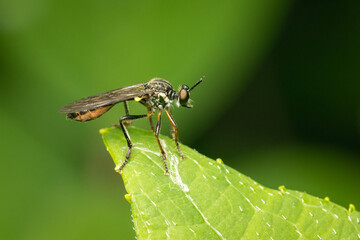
(184, 94)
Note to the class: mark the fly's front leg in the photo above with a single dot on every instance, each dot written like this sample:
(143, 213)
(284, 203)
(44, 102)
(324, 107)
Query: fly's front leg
(157, 132)
(175, 133)
(127, 136)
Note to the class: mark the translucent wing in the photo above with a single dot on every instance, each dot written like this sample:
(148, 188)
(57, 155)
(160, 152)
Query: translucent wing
(109, 98)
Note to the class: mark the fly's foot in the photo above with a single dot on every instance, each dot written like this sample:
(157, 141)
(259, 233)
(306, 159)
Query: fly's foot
(118, 169)
(163, 156)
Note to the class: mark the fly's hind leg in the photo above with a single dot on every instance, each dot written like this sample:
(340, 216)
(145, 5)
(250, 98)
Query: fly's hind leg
(126, 122)
(126, 107)
(175, 133)
(127, 136)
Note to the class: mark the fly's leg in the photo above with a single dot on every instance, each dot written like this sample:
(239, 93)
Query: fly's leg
(127, 122)
(150, 119)
(127, 136)
(175, 133)
(157, 132)
(126, 107)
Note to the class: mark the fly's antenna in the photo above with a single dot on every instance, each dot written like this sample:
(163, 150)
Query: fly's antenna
(198, 82)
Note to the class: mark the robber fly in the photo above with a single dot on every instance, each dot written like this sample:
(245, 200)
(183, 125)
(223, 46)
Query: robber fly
(157, 94)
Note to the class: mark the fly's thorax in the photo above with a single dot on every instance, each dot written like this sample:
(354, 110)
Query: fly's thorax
(158, 101)
(162, 96)
(159, 85)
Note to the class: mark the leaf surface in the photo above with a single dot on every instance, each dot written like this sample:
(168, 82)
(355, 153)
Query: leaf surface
(205, 199)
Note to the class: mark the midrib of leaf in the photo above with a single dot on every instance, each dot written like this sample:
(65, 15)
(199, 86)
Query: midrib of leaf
(244, 208)
(176, 179)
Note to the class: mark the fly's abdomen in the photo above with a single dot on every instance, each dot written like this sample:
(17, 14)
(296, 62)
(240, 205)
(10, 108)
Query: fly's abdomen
(88, 115)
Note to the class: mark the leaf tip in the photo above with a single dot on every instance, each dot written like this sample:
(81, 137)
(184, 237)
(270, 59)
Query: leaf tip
(104, 131)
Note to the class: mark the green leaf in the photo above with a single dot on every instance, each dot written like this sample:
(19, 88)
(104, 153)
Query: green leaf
(205, 199)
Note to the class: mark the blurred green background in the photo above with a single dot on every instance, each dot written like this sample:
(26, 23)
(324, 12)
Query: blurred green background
(280, 102)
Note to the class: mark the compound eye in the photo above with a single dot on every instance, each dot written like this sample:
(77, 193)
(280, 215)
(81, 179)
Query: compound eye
(184, 96)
